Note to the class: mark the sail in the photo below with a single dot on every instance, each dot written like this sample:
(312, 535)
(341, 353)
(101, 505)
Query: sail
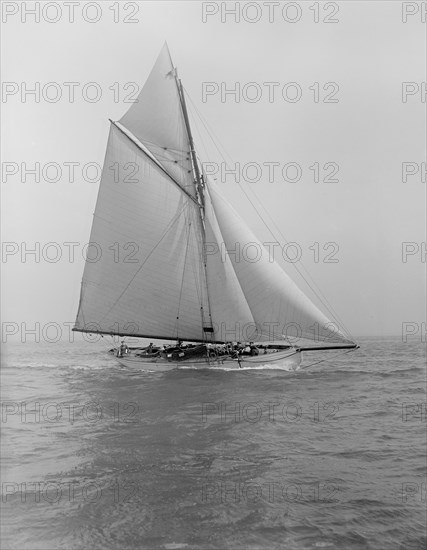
(143, 274)
(157, 121)
(232, 318)
(278, 306)
(161, 266)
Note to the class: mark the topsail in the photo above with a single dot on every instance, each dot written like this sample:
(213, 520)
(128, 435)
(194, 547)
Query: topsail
(156, 119)
(162, 272)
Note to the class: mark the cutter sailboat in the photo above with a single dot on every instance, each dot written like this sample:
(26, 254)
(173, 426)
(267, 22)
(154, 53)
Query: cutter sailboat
(160, 228)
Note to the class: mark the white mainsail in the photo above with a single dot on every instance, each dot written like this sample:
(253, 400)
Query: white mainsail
(159, 271)
(148, 279)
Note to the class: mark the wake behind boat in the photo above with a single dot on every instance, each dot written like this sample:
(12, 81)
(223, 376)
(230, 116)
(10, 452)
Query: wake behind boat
(161, 225)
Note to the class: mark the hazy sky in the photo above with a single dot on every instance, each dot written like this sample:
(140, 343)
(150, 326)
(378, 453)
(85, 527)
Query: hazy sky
(361, 61)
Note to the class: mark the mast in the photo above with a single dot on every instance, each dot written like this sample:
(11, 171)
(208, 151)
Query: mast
(196, 168)
(207, 327)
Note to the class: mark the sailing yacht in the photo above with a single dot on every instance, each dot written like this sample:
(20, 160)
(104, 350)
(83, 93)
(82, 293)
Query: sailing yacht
(157, 221)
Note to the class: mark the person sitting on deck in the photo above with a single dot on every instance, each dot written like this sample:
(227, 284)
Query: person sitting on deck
(246, 350)
(150, 348)
(123, 349)
(239, 348)
(253, 349)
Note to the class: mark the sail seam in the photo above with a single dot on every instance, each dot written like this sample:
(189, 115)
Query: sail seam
(188, 226)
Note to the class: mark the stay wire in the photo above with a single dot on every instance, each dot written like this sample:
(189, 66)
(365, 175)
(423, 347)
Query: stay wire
(329, 359)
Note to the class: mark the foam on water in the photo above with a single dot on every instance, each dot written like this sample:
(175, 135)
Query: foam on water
(266, 366)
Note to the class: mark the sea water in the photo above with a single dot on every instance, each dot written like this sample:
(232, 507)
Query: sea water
(99, 457)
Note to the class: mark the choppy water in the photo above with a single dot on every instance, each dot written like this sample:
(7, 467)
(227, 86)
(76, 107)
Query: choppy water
(330, 457)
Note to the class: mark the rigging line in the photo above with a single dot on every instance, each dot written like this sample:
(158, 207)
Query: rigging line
(202, 276)
(168, 228)
(80, 308)
(318, 293)
(329, 359)
(312, 284)
(198, 130)
(209, 131)
(188, 226)
(198, 278)
(198, 270)
(322, 298)
(199, 274)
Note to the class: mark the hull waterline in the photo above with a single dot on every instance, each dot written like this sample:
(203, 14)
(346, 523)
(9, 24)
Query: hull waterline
(288, 360)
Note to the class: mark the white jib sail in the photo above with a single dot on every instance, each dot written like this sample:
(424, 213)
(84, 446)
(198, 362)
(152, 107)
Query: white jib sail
(277, 305)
